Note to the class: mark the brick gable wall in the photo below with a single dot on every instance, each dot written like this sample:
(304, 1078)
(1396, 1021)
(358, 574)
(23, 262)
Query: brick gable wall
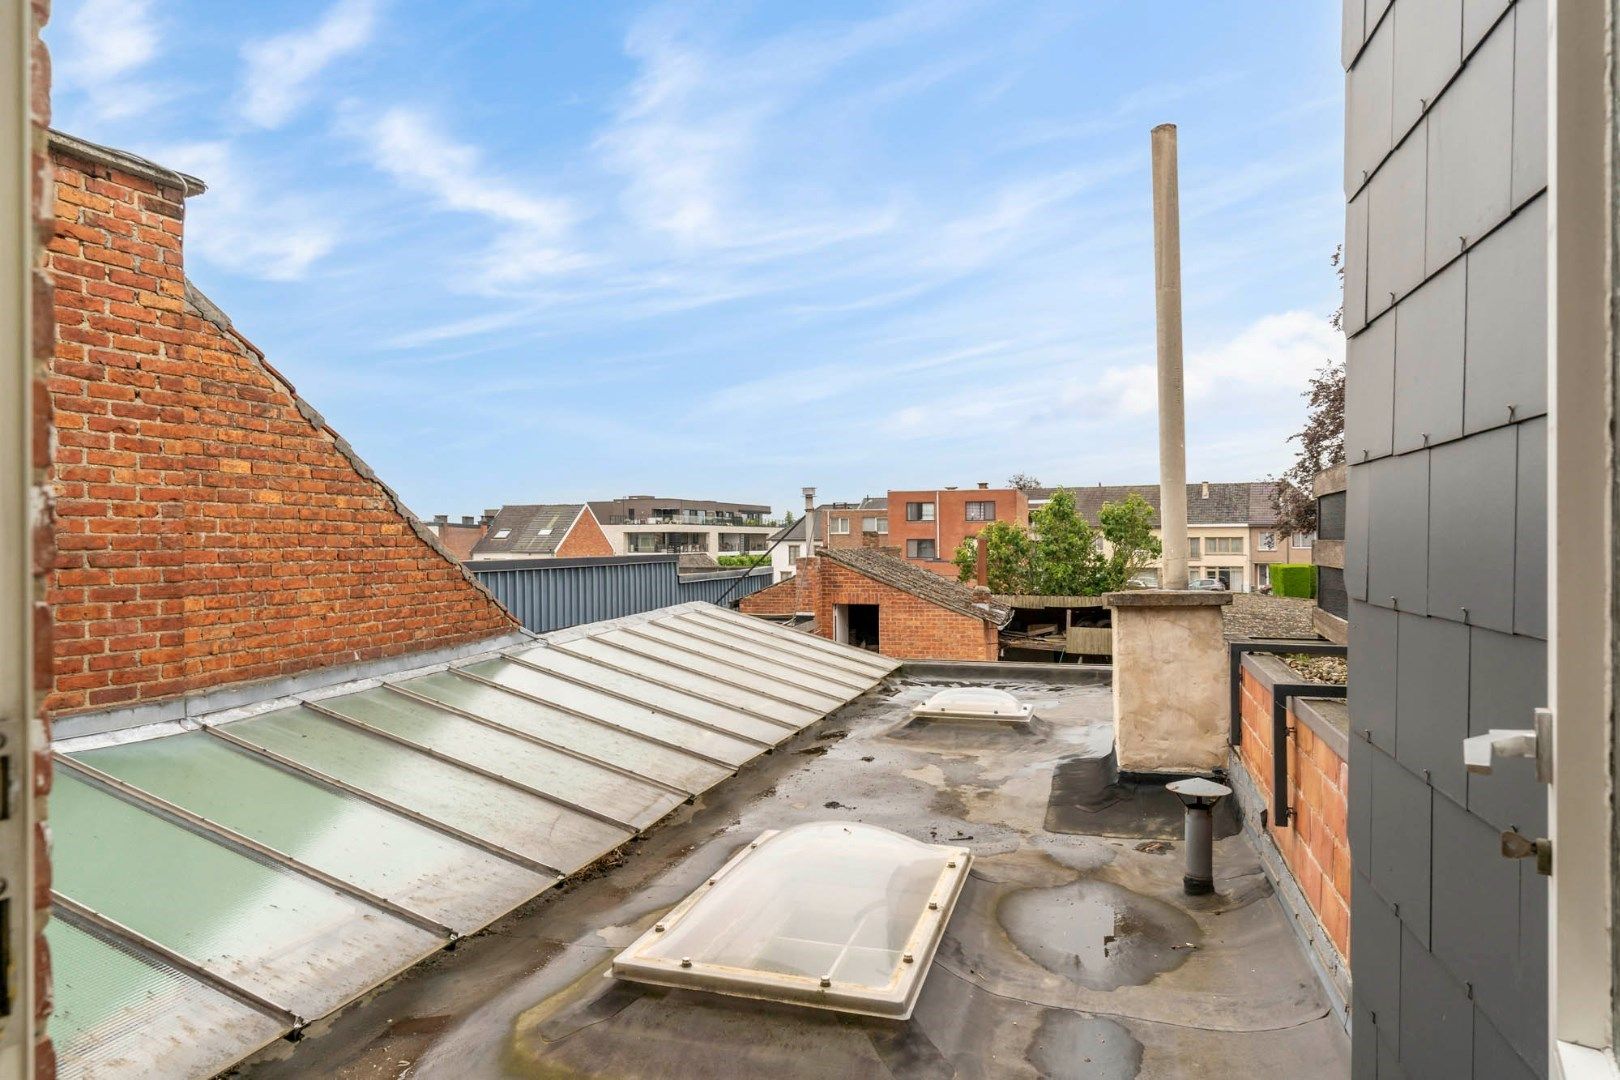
(585, 539)
(779, 599)
(909, 627)
(211, 529)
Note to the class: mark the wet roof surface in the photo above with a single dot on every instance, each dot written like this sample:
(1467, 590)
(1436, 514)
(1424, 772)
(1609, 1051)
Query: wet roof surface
(1069, 954)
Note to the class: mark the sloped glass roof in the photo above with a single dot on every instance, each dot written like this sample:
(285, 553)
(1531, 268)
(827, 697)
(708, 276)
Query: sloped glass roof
(223, 881)
(834, 914)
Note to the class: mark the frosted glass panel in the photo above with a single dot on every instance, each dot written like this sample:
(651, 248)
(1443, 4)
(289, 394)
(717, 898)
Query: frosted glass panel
(813, 695)
(662, 697)
(385, 853)
(277, 933)
(513, 819)
(121, 1014)
(621, 797)
(777, 645)
(636, 718)
(607, 744)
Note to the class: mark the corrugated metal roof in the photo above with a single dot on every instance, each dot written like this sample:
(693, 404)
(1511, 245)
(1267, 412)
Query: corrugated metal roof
(530, 529)
(244, 874)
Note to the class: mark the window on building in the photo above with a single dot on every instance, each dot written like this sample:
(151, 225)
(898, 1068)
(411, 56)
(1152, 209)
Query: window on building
(795, 551)
(919, 511)
(1224, 545)
(921, 549)
(875, 525)
(1268, 541)
(502, 534)
(981, 511)
(1302, 540)
(840, 526)
(1192, 547)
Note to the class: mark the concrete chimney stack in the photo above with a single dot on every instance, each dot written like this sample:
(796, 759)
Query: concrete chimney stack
(981, 572)
(1172, 408)
(984, 485)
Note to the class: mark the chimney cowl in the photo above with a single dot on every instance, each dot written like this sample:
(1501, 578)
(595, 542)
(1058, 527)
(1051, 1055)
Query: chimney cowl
(441, 519)
(984, 485)
(467, 519)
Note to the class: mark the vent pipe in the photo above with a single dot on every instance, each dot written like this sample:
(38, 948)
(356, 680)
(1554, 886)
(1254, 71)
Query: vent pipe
(1167, 308)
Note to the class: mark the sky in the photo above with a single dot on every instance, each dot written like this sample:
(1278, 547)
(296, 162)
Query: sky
(543, 252)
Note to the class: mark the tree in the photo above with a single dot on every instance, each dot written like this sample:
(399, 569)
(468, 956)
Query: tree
(1007, 555)
(1023, 482)
(1132, 547)
(1321, 446)
(1065, 560)
(788, 518)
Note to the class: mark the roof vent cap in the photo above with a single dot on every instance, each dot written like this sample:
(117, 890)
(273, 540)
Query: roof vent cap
(975, 703)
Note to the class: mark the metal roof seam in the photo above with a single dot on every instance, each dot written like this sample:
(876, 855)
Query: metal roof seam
(788, 724)
(643, 636)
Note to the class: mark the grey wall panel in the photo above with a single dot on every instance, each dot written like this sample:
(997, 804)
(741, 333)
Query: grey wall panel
(1367, 110)
(1355, 264)
(1360, 799)
(1363, 1047)
(1389, 1066)
(1530, 554)
(1529, 99)
(1399, 867)
(1507, 681)
(1428, 51)
(1476, 908)
(1357, 499)
(1470, 151)
(1431, 701)
(1375, 13)
(1398, 532)
(1395, 231)
(1373, 638)
(1471, 529)
(1494, 1059)
(1528, 1031)
(1369, 391)
(1507, 322)
(1478, 18)
(1429, 361)
(1377, 949)
(1437, 1019)
(1351, 35)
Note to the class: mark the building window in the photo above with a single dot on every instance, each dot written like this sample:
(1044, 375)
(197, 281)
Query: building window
(840, 526)
(919, 511)
(981, 511)
(1302, 540)
(921, 549)
(1268, 541)
(794, 551)
(1224, 545)
(502, 534)
(878, 525)
(1192, 547)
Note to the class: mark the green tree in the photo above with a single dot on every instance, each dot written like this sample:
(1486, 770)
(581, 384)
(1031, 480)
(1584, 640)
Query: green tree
(1007, 558)
(1065, 559)
(1132, 547)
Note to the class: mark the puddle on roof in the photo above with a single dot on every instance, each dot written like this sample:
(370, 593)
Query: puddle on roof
(1097, 934)
(1090, 1047)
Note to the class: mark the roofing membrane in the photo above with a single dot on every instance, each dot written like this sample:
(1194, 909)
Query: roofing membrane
(223, 881)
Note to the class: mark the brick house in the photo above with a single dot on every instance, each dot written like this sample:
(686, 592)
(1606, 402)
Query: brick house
(853, 525)
(928, 526)
(211, 528)
(555, 530)
(876, 600)
(459, 537)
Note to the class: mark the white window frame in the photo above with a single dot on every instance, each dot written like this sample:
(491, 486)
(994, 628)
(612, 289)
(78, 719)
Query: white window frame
(914, 548)
(875, 524)
(1302, 541)
(839, 526)
(925, 511)
(986, 507)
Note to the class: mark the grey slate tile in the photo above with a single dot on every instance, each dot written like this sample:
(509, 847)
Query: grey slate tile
(1527, 1028)
(1529, 99)
(1428, 51)
(1470, 132)
(1530, 550)
(1355, 264)
(1352, 30)
(1359, 480)
(1478, 17)
(1367, 90)
(1472, 486)
(1399, 866)
(1437, 1019)
(1494, 1059)
(1360, 803)
(1398, 532)
(1507, 678)
(1395, 224)
(1431, 701)
(1369, 391)
(1429, 361)
(1373, 633)
(1375, 960)
(1476, 908)
(1507, 322)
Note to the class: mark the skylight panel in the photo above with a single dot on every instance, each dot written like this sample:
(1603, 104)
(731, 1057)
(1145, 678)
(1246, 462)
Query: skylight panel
(834, 915)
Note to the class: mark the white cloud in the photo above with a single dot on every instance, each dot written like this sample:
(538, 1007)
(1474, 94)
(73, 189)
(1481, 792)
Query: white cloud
(107, 44)
(240, 226)
(281, 70)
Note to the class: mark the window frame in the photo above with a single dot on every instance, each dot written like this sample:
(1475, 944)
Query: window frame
(984, 506)
(914, 548)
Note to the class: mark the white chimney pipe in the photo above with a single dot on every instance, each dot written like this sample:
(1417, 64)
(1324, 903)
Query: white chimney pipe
(1167, 307)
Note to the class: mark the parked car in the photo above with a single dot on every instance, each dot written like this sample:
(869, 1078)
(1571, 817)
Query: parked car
(1139, 583)
(1209, 584)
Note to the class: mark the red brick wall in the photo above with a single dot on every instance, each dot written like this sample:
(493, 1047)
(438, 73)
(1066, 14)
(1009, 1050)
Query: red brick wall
(909, 628)
(951, 526)
(458, 540)
(1316, 844)
(41, 530)
(585, 539)
(779, 599)
(210, 528)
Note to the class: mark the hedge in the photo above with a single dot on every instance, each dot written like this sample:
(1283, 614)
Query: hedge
(1293, 579)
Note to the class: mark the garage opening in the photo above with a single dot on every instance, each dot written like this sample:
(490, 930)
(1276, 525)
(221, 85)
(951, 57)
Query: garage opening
(856, 624)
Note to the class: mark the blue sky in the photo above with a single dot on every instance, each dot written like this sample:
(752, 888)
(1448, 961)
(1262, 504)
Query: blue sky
(523, 252)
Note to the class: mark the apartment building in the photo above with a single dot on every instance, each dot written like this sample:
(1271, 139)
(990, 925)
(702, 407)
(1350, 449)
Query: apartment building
(854, 525)
(926, 527)
(1232, 533)
(654, 525)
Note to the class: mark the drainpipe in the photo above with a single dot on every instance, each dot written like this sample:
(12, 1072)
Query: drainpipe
(1167, 307)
